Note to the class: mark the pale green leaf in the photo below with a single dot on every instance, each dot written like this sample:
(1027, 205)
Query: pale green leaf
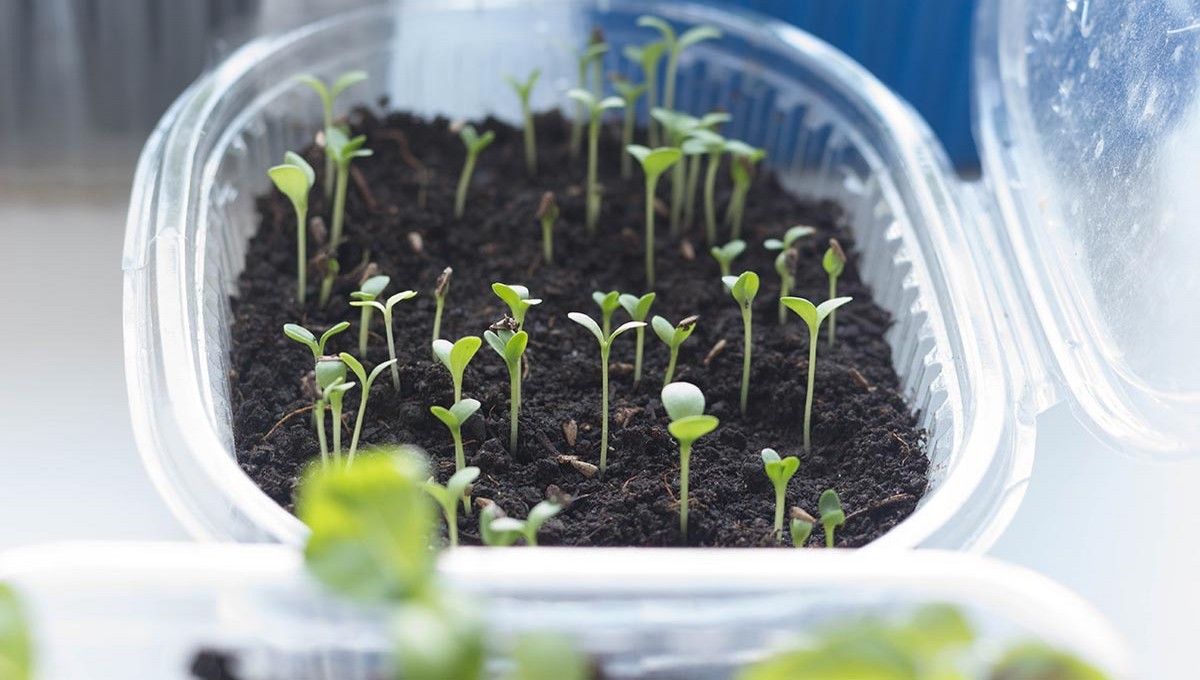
(697, 34)
(333, 330)
(627, 326)
(583, 97)
(374, 286)
(800, 531)
(462, 352)
(354, 365)
(805, 310)
(660, 25)
(770, 456)
(495, 342)
(376, 372)
(540, 513)
(300, 334)
(459, 482)
(664, 330)
(515, 347)
(463, 410)
(447, 418)
(829, 506)
(498, 535)
(588, 323)
(293, 158)
(682, 400)
(637, 307)
(400, 297)
(826, 308)
(346, 80)
(319, 86)
(654, 162)
(442, 349)
(691, 428)
(293, 183)
(796, 233)
(328, 372)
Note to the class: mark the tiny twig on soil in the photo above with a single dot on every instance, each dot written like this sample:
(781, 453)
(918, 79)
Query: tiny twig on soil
(858, 377)
(364, 189)
(716, 350)
(890, 500)
(281, 421)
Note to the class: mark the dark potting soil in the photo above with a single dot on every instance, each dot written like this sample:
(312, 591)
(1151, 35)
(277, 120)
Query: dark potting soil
(399, 215)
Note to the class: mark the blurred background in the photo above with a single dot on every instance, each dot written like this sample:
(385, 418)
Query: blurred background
(82, 83)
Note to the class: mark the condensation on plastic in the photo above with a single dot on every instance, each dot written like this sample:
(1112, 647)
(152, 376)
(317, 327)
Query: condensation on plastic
(1088, 121)
(135, 611)
(829, 127)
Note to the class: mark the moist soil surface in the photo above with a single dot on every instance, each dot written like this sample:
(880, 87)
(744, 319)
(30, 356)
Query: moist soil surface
(399, 215)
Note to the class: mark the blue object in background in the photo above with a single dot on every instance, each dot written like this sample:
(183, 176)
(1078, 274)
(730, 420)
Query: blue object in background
(921, 49)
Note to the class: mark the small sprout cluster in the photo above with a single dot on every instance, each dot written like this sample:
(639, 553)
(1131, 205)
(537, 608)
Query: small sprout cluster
(547, 215)
(496, 529)
(813, 316)
(785, 262)
(605, 338)
(638, 309)
(454, 418)
(780, 472)
(673, 336)
(744, 288)
(524, 90)
(328, 95)
(654, 163)
(595, 110)
(457, 489)
(510, 345)
(591, 57)
(456, 356)
(366, 380)
(344, 150)
(742, 171)
(832, 516)
(475, 144)
(684, 403)
(364, 299)
(726, 254)
(294, 179)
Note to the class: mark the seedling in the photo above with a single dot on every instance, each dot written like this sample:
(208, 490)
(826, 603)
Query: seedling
(547, 214)
(629, 94)
(456, 356)
(510, 345)
(674, 47)
(328, 95)
(726, 254)
(684, 403)
(595, 110)
(605, 339)
(523, 91)
(706, 130)
(654, 163)
(505, 530)
(440, 291)
(676, 128)
(801, 527)
(779, 471)
(305, 337)
(673, 337)
(386, 308)
(475, 144)
(500, 536)
(813, 315)
(16, 642)
(608, 303)
(330, 372)
(334, 394)
(367, 292)
(834, 264)
(785, 262)
(647, 56)
(744, 288)
(454, 418)
(713, 145)
(366, 380)
(832, 516)
(294, 179)
(330, 264)
(592, 54)
(344, 150)
(742, 170)
(638, 309)
(518, 300)
(457, 489)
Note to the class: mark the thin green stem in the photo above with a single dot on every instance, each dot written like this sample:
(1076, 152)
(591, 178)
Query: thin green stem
(452, 523)
(671, 365)
(387, 318)
(514, 407)
(808, 398)
(364, 323)
(457, 388)
(548, 241)
(326, 289)
(747, 314)
(677, 190)
(710, 205)
(335, 406)
(685, 459)
(530, 139)
(733, 217)
(329, 164)
(650, 232)
(637, 362)
(780, 493)
(339, 206)
(693, 181)
(301, 254)
(460, 458)
(651, 98)
(464, 181)
(833, 314)
(593, 195)
(828, 535)
(320, 413)
(669, 86)
(531, 538)
(437, 320)
(627, 139)
(603, 409)
(785, 289)
(358, 421)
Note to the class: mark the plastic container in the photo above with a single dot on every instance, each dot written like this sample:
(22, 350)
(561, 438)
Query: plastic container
(995, 286)
(143, 610)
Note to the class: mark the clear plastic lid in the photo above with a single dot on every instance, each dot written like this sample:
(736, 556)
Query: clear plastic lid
(1088, 121)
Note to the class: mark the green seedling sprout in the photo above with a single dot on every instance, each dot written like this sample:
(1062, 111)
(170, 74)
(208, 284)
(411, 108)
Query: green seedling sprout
(592, 54)
(684, 403)
(676, 128)
(518, 300)
(705, 130)
(294, 179)
(457, 489)
(440, 291)
(674, 47)
(386, 308)
(330, 372)
(712, 145)
(505, 530)
(475, 144)
(785, 262)
(454, 418)
(647, 56)
(367, 293)
(305, 337)
(744, 288)
(813, 315)
(16, 642)
(801, 526)
(638, 309)
(523, 91)
(780, 472)
(334, 394)
(547, 215)
(492, 535)
(595, 110)
(328, 95)
(829, 506)
(673, 336)
(366, 380)
(834, 264)
(654, 163)
(726, 254)
(608, 303)
(344, 150)
(629, 94)
(456, 356)
(742, 170)
(510, 345)
(605, 339)
(332, 269)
